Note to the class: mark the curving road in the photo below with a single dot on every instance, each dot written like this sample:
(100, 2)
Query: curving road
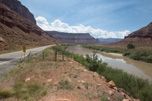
(9, 60)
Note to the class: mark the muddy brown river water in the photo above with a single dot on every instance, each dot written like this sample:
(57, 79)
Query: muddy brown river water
(137, 68)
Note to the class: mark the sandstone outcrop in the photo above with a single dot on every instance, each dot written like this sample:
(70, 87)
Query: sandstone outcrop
(141, 37)
(17, 30)
(16, 6)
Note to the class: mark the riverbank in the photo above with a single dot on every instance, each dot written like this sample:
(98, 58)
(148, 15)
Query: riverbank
(113, 54)
(137, 68)
(145, 56)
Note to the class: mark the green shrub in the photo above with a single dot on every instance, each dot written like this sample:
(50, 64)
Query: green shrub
(130, 46)
(149, 58)
(5, 94)
(29, 91)
(126, 53)
(104, 98)
(66, 84)
(44, 53)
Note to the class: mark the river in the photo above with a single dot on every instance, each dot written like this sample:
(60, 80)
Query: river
(137, 68)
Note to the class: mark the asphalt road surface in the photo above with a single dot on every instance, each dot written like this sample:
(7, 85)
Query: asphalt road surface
(9, 60)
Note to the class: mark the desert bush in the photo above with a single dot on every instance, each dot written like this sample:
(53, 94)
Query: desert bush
(44, 53)
(66, 84)
(130, 46)
(5, 94)
(104, 98)
(126, 53)
(149, 58)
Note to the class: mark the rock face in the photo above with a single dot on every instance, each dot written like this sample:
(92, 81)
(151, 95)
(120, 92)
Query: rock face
(142, 36)
(77, 38)
(16, 6)
(16, 30)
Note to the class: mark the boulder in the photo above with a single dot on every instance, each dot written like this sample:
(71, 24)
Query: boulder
(125, 100)
(1, 39)
(27, 79)
(111, 84)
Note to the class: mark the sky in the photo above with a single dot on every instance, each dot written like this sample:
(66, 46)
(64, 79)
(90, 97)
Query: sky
(100, 18)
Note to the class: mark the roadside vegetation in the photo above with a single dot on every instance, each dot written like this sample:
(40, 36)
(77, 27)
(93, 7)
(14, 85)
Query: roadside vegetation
(142, 55)
(22, 89)
(137, 87)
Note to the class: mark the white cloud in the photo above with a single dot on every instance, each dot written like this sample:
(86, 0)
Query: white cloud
(57, 25)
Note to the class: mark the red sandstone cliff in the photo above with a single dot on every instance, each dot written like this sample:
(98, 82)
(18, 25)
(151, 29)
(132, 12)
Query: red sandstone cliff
(16, 6)
(142, 37)
(16, 30)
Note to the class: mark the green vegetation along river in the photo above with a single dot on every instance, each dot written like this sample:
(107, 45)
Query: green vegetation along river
(137, 68)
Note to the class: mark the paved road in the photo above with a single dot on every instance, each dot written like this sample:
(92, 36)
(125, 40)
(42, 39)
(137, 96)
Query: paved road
(9, 60)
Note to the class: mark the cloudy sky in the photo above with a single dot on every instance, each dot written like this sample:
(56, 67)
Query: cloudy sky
(100, 18)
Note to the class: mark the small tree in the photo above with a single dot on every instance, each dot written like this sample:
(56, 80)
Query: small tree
(56, 49)
(130, 46)
(63, 49)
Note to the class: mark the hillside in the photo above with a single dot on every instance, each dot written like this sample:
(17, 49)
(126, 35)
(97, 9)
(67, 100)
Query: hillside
(17, 27)
(108, 40)
(78, 38)
(141, 37)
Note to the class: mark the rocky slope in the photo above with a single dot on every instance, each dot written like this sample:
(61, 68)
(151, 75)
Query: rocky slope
(142, 36)
(16, 30)
(78, 38)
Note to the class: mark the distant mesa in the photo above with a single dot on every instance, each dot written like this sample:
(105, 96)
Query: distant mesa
(109, 40)
(141, 37)
(18, 27)
(75, 38)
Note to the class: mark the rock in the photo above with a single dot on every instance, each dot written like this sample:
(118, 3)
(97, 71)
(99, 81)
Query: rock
(136, 100)
(123, 94)
(111, 84)
(111, 92)
(49, 80)
(99, 84)
(70, 62)
(85, 70)
(115, 88)
(61, 99)
(125, 100)
(81, 81)
(103, 78)
(95, 74)
(27, 79)
(1, 39)
(80, 87)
